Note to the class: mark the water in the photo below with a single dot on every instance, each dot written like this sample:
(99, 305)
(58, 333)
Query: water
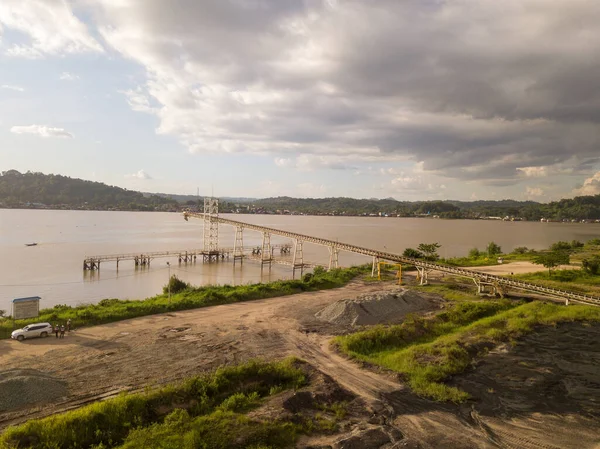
(53, 268)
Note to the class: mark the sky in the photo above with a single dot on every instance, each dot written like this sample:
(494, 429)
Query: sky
(409, 99)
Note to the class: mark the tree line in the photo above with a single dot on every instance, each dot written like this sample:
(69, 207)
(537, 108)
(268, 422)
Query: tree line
(23, 189)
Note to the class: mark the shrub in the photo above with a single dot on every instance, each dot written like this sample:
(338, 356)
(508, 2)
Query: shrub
(560, 246)
(474, 253)
(520, 250)
(429, 250)
(590, 265)
(493, 249)
(412, 253)
(176, 284)
(575, 244)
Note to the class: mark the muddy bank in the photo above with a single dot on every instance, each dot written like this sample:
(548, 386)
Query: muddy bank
(543, 392)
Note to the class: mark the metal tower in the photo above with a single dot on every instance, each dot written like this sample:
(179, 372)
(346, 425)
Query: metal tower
(211, 225)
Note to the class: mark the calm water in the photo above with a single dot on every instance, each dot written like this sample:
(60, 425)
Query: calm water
(53, 269)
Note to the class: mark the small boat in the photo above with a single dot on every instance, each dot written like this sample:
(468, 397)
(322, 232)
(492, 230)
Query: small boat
(31, 244)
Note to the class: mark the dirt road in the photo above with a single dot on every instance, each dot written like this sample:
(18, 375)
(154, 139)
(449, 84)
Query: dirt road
(100, 361)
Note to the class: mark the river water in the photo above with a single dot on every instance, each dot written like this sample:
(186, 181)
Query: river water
(53, 268)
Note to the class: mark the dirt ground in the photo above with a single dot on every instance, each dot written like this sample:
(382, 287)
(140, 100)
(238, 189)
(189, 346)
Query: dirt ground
(98, 362)
(519, 267)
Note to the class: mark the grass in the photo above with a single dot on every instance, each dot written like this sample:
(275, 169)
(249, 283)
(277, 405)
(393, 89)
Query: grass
(202, 412)
(450, 290)
(426, 352)
(574, 280)
(110, 310)
(482, 261)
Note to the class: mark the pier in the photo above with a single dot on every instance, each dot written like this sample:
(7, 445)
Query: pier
(485, 283)
(265, 255)
(92, 263)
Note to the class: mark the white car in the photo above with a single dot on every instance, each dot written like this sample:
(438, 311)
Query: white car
(32, 330)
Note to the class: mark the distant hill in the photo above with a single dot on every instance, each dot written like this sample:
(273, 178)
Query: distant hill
(38, 190)
(579, 208)
(185, 198)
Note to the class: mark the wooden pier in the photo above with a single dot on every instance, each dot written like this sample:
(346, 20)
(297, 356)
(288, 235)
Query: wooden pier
(92, 263)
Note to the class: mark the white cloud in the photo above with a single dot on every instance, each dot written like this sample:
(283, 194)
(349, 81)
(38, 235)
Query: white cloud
(311, 190)
(533, 192)
(138, 100)
(10, 87)
(410, 183)
(139, 175)
(591, 186)
(41, 130)
(66, 76)
(534, 172)
(283, 162)
(50, 25)
(424, 86)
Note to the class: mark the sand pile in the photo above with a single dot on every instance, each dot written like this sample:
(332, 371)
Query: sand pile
(23, 387)
(375, 308)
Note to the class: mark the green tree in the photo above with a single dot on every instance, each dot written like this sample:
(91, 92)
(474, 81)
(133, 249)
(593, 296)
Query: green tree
(474, 253)
(552, 259)
(560, 246)
(176, 284)
(2, 313)
(493, 249)
(576, 244)
(590, 265)
(412, 253)
(429, 250)
(520, 250)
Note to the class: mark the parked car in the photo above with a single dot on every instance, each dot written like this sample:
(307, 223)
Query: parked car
(32, 331)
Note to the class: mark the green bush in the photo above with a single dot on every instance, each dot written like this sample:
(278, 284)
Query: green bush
(560, 246)
(576, 244)
(176, 285)
(413, 253)
(590, 265)
(493, 249)
(474, 253)
(110, 422)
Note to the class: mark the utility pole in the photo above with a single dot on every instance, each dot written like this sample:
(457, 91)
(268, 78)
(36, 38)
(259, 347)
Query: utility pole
(169, 283)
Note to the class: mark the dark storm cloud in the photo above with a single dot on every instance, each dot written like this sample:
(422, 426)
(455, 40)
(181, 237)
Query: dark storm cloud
(472, 88)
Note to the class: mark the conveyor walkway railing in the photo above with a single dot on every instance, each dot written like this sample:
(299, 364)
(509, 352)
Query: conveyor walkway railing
(481, 276)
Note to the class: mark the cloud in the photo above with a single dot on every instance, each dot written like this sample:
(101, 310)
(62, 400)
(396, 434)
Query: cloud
(534, 172)
(533, 192)
(283, 162)
(16, 88)
(139, 175)
(471, 90)
(66, 76)
(466, 90)
(591, 186)
(50, 28)
(42, 130)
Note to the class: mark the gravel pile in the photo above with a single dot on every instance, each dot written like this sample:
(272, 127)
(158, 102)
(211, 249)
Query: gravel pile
(24, 387)
(373, 308)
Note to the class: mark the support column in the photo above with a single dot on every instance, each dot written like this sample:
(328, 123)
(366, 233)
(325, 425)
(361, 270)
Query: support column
(238, 245)
(422, 275)
(266, 251)
(298, 261)
(375, 264)
(333, 257)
